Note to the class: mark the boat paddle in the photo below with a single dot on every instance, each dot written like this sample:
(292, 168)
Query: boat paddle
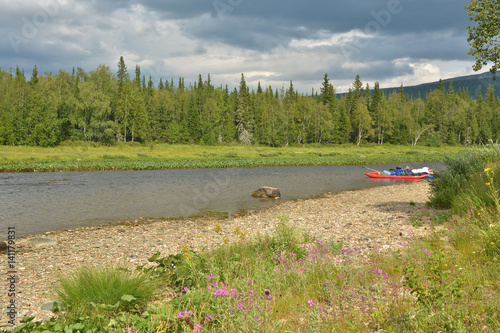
(371, 169)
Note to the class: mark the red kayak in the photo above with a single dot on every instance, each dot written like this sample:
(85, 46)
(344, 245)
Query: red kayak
(376, 174)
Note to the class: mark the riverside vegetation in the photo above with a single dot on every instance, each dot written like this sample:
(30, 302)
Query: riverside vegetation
(135, 156)
(291, 282)
(99, 106)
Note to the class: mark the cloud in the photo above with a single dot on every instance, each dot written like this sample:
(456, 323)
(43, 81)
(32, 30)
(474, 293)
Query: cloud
(271, 41)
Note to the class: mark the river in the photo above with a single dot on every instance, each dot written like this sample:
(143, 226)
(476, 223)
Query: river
(34, 203)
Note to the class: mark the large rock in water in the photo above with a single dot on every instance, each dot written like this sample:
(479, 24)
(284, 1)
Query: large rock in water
(266, 192)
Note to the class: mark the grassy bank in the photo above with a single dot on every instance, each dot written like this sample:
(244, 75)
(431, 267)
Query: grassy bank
(80, 157)
(291, 282)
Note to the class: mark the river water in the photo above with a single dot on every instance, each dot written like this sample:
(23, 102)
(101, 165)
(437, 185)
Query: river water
(35, 203)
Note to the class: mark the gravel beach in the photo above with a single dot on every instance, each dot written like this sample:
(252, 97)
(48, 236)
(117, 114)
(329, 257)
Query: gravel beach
(374, 219)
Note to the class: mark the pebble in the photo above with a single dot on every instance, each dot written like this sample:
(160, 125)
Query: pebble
(351, 216)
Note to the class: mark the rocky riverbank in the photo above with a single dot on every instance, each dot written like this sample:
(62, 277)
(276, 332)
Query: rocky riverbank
(374, 219)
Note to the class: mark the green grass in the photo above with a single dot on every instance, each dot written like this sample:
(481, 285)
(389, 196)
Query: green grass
(101, 289)
(80, 157)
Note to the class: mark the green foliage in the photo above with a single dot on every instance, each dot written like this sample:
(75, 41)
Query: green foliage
(483, 38)
(285, 239)
(459, 170)
(106, 108)
(104, 289)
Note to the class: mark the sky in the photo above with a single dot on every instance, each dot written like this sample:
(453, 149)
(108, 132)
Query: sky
(392, 42)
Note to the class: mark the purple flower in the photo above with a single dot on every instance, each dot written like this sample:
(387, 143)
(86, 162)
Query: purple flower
(267, 291)
(311, 303)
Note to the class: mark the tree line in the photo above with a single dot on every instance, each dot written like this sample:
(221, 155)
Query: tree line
(99, 106)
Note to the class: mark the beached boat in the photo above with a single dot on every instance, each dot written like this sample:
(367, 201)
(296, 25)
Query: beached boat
(376, 174)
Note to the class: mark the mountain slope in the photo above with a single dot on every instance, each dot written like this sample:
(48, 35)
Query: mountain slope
(471, 82)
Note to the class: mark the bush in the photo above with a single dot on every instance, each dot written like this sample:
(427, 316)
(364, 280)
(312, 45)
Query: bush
(459, 170)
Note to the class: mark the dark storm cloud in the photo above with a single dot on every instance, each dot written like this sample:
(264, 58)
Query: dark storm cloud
(264, 24)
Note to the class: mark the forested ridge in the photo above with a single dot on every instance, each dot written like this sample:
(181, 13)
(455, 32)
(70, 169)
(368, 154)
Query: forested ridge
(99, 106)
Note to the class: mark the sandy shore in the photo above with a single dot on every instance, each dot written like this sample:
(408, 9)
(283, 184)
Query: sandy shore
(367, 220)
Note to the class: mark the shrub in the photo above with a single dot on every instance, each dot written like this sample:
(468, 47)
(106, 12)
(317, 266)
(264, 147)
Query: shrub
(459, 170)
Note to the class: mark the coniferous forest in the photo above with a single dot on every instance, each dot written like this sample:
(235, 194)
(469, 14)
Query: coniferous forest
(102, 107)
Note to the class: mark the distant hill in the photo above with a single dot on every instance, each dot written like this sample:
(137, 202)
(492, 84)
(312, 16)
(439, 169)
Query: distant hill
(471, 82)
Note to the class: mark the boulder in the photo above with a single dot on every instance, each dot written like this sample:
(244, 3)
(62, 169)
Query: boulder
(266, 192)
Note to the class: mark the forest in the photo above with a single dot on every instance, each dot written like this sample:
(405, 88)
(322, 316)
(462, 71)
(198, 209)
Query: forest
(102, 107)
